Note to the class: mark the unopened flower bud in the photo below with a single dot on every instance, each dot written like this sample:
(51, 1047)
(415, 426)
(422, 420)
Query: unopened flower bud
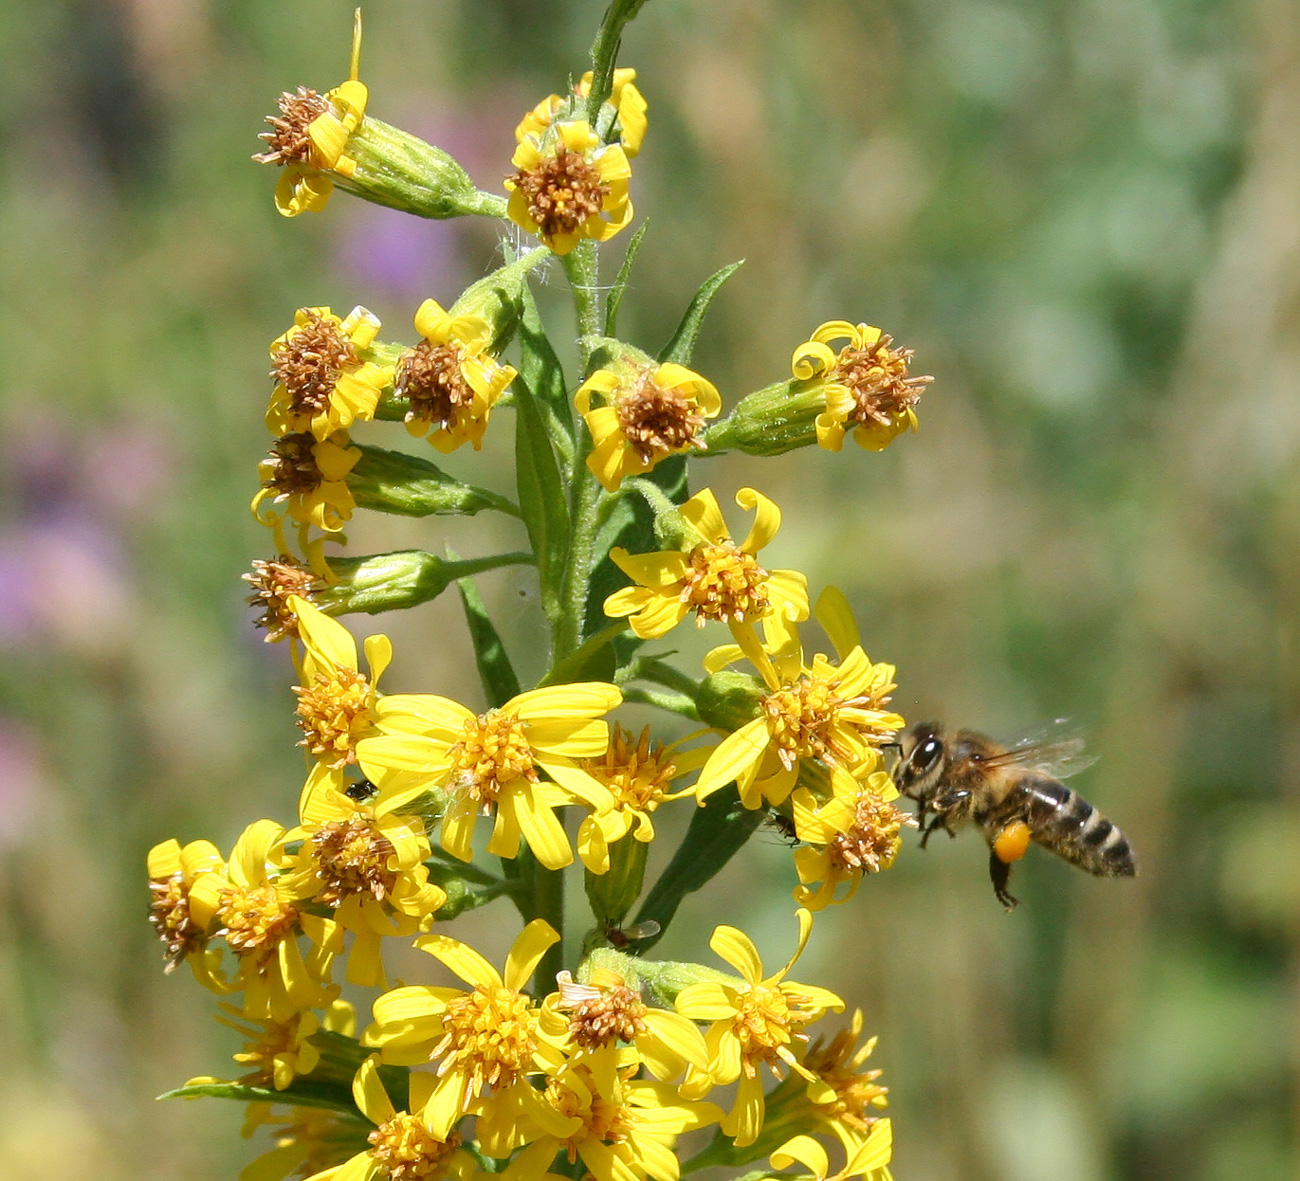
(394, 482)
(728, 699)
(403, 578)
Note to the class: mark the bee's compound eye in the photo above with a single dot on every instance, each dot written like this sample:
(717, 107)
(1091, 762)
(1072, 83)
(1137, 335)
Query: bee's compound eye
(925, 755)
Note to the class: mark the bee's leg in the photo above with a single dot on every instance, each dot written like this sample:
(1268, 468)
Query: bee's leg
(1000, 872)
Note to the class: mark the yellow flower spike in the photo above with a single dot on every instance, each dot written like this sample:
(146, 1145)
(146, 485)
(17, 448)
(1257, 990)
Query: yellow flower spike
(648, 414)
(173, 870)
(491, 764)
(718, 579)
(322, 383)
(309, 138)
(337, 703)
(309, 476)
(450, 379)
(569, 186)
(755, 1021)
(866, 383)
(486, 1037)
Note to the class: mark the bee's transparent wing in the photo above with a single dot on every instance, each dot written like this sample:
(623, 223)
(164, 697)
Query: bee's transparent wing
(1055, 748)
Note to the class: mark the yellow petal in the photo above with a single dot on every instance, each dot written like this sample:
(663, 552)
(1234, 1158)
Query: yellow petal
(836, 617)
(369, 1092)
(586, 699)
(709, 1001)
(653, 570)
(327, 641)
(540, 828)
(767, 519)
(460, 958)
(734, 755)
(738, 949)
(811, 359)
(534, 941)
(806, 1151)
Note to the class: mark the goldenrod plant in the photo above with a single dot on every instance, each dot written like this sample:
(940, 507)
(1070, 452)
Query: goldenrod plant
(582, 1053)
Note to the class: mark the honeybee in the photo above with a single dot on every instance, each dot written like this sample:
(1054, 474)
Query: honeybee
(1013, 793)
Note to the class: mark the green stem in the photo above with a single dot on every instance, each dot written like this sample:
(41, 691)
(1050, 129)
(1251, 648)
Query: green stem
(604, 52)
(669, 677)
(581, 265)
(677, 703)
(569, 668)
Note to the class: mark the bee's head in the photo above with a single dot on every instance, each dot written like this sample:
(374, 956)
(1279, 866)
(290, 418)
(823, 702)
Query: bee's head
(923, 755)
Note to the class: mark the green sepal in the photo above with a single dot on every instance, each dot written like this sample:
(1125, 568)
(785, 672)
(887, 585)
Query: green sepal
(395, 482)
(495, 671)
(664, 979)
(778, 418)
(615, 301)
(728, 699)
(611, 894)
(398, 580)
(718, 830)
(402, 171)
(498, 298)
(682, 345)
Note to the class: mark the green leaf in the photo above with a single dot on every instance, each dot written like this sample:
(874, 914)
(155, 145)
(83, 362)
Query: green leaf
(682, 345)
(395, 482)
(494, 668)
(717, 831)
(302, 1092)
(542, 373)
(620, 280)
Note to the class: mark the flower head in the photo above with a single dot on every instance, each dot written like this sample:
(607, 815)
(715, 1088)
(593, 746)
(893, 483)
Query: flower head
(337, 702)
(649, 413)
(867, 385)
(276, 1052)
(309, 476)
(275, 583)
(568, 186)
(309, 1141)
(638, 775)
(365, 861)
(172, 871)
(322, 383)
(492, 763)
(605, 1011)
(309, 139)
(486, 1039)
(849, 836)
(757, 1021)
(717, 579)
(450, 379)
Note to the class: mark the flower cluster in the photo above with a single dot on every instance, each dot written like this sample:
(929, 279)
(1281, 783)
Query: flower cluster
(415, 808)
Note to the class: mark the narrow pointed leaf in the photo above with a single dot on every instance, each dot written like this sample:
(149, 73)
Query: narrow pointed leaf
(620, 280)
(494, 668)
(679, 349)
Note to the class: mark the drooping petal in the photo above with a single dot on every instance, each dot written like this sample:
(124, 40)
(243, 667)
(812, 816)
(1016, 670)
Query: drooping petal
(734, 755)
(533, 942)
(767, 519)
(703, 515)
(369, 1094)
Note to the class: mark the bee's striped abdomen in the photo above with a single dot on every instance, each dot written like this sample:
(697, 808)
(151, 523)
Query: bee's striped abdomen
(1064, 822)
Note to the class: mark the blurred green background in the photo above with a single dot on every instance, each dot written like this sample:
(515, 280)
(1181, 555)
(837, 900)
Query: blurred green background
(1083, 215)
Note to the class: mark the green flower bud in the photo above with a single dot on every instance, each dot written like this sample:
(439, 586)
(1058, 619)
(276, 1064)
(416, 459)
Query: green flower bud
(612, 893)
(404, 578)
(395, 482)
(771, 421)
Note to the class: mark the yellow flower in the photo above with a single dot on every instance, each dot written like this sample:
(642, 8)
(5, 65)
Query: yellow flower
(605, 1011)
(274, 583)
(309, 138)
(403, 1146)
(866, 384)
(309, 1141)
(310, 476)
(261, 925)
(569, 186)
(485, 1038)
(278, 1051)
(756, 1020)
(337, 703)
(627, 102)
(450, 379)
(638, 776)
(869, 1159)
(172, 871)
(322, 384)
(619, 1129)
(844, 1096)
(846, 837)
(648, 415)
(491, 762)
(366, 863)
(717, 578)
(832, 713)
